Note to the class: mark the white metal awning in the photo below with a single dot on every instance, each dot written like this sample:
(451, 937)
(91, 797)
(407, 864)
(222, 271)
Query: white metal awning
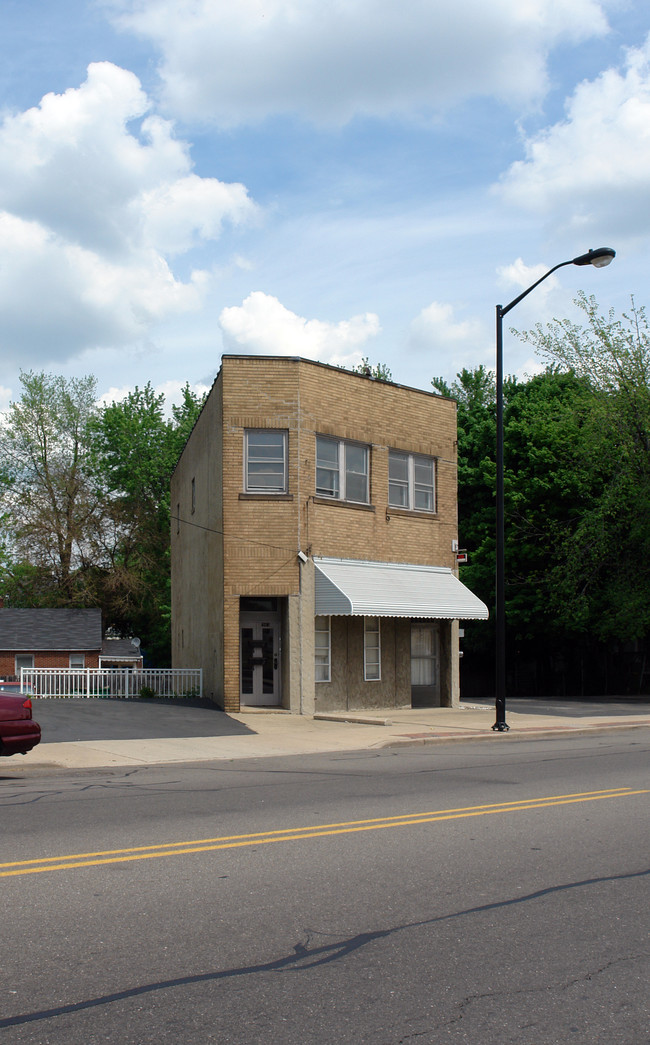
(392, 589)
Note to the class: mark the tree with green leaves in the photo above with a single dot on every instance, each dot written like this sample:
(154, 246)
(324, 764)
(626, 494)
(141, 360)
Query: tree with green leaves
(577, 501)
(84, 500)
(52, 526)
(134, 450)
(608, 554)
(378, 372)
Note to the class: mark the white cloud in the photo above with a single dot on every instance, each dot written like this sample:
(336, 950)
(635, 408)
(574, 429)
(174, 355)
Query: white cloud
(92, 209)
(591, 171)
(263, 325)
(172, 391)
(520, 276)
(436, 328)
(235, 62)
(448, 343)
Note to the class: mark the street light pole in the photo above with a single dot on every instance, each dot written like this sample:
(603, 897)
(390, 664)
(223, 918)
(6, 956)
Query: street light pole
(598, 258)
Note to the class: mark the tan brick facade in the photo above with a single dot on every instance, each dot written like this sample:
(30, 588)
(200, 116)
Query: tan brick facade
(229, 545)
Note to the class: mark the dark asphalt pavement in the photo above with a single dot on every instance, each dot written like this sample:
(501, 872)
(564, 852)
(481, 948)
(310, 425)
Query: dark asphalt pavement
(572, 707)
(64, 721)
(462, 894)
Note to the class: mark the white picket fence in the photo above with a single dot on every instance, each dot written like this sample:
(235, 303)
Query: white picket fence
(112, 683)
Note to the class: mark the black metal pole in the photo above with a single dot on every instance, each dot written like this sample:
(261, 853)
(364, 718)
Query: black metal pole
(501, 726)
(599, 259)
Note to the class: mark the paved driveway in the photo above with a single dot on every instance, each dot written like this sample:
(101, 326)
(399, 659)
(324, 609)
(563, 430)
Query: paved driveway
(76, 719)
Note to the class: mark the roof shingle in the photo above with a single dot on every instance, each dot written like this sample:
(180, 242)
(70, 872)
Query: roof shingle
(50, 629)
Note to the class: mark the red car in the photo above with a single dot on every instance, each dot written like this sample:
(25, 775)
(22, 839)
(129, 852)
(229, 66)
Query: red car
(18, 732)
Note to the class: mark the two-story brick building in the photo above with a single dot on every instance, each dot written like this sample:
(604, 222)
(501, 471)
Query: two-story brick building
(314, 528)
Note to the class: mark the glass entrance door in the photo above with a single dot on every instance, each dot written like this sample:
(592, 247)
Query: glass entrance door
(425, 667)
(259, 666)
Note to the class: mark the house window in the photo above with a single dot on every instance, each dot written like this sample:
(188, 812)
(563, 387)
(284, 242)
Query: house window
(23, 660)
(77, 660)
(193, 496)
(371, 649)
(411, 481)
(265, 461)
(323, 649)
(341, 470)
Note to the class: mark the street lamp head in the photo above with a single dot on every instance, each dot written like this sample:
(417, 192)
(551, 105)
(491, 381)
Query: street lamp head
(598, 258)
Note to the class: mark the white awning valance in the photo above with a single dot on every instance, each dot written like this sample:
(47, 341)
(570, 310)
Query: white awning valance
(391, 589)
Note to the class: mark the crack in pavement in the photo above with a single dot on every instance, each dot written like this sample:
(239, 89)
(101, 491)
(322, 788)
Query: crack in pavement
(302, 957)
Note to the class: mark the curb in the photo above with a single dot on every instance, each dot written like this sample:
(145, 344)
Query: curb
(523, 733)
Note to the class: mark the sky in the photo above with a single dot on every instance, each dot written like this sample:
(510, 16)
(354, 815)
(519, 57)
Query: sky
(181, 179)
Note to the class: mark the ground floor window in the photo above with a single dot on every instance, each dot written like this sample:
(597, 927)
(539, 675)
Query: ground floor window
(371, 649)
(323, 649)
(24, 660)
(77, 660)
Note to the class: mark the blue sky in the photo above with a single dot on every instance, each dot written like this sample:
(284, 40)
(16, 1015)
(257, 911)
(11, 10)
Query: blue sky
(183, 178)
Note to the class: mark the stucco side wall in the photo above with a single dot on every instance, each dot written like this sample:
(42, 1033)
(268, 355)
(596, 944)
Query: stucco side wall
(449, 665)
(348, 690)
(299, 646)
(197, 550)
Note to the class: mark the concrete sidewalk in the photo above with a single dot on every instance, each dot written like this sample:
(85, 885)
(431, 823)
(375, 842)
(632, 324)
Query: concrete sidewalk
(272, 732)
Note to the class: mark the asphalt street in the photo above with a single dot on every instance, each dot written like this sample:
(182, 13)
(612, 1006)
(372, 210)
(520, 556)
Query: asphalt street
(455, 893)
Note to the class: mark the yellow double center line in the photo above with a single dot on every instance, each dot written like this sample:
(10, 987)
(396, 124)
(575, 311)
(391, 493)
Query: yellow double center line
(293, 834)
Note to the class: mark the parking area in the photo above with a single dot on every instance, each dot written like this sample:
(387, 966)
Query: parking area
(65, 721)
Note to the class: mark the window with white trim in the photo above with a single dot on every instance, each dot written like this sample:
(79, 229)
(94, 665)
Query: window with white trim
(77, 660)
(411, 481)
(265, 461)
(23, 660)
(342, 470)
(371, 649)
(323, 649)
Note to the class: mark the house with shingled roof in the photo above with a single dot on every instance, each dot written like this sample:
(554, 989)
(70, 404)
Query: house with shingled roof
(59, 638)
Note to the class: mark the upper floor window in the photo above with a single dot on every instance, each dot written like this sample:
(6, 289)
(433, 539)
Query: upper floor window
(411, 481)
(77, 660)
(265, 461)
(342, 470)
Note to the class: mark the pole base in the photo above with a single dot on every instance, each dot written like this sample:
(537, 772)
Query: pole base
(500, 727)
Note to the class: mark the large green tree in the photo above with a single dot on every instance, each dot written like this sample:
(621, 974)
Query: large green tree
(607, 553)
(84, 502)
(577, 501)
(134, 449)
(51, 519)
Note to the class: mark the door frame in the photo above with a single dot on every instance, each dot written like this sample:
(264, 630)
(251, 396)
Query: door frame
(271, 619)
(427, 696)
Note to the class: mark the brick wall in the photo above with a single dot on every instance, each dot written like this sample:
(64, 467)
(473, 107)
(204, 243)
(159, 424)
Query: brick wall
(45, 659)
(237, 545)
(307, 399)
